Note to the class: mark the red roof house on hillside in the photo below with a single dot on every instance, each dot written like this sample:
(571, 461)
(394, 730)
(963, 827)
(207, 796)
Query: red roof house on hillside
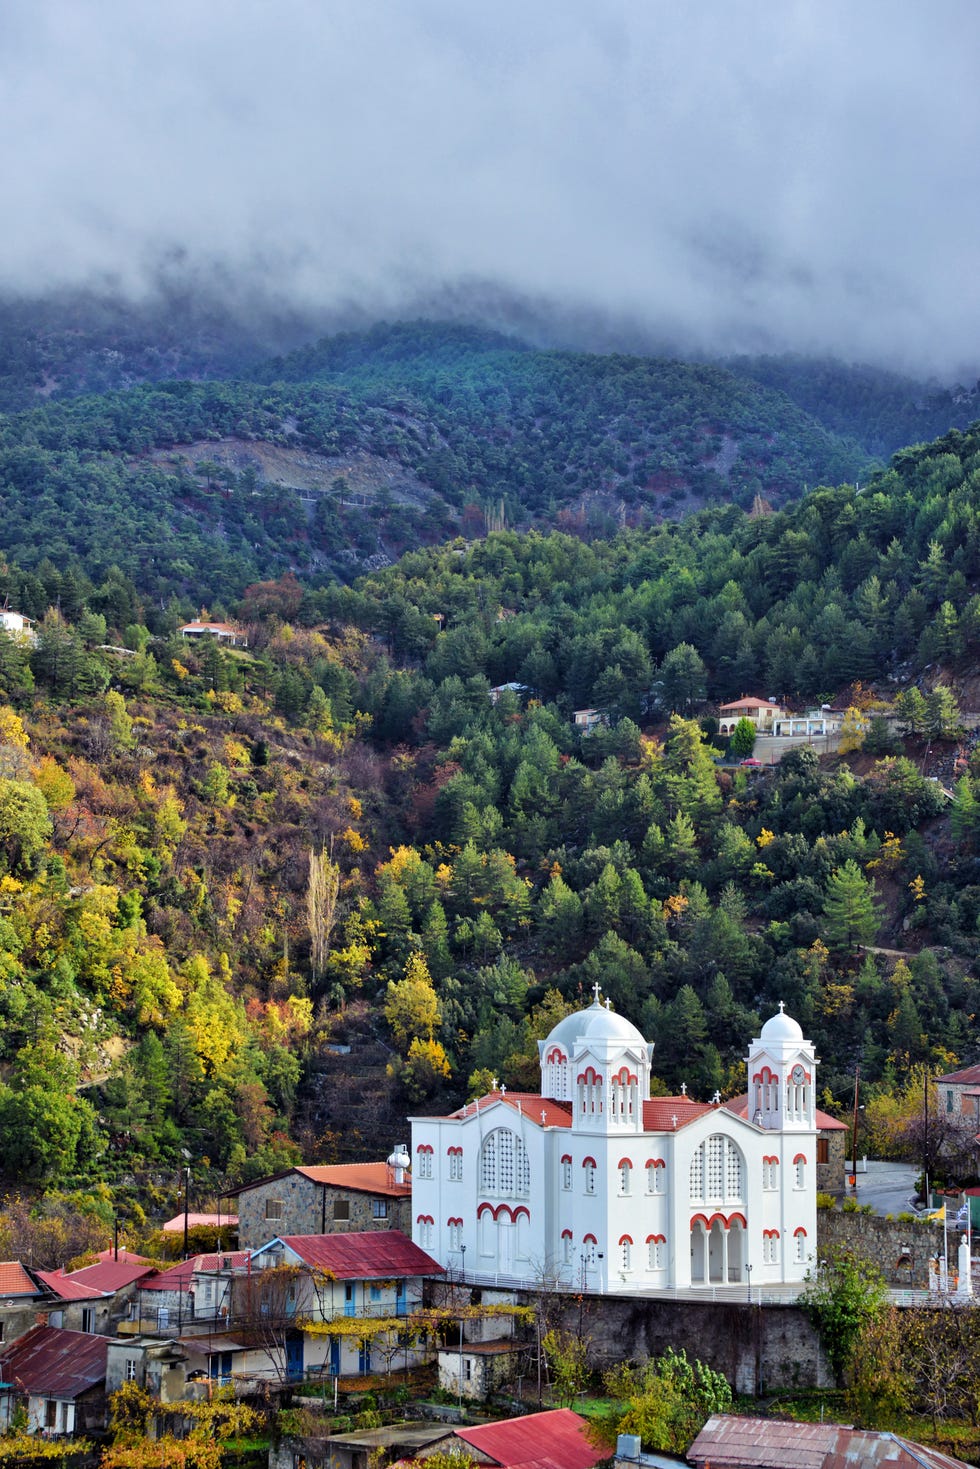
(324, 1199)
(58, 1376)
(555, 1440)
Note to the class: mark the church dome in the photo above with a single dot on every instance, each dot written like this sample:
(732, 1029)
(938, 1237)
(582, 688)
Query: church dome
(781, 1027)
(594, 1024)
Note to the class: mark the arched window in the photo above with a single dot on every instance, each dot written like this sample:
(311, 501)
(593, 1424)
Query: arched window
(718, 1171)
(656, 1252)
(455, 1164)
(423, 1160)
(625, 1175)
(656, 1173)
(770, 1247)
(799, 1236)
(588, 1166)
(566, 1171)
(624, 1095)
(504, 1166)
(590, 1085)
(770, 1173)
(590, 1244)
(799, 1163)
(625, 1253)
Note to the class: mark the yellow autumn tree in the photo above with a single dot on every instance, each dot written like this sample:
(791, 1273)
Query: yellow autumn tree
(412, 1006)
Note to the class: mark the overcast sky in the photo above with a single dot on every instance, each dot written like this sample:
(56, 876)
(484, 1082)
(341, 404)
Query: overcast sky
(733, 175)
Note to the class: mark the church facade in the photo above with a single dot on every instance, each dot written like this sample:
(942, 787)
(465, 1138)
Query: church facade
(594, 1185)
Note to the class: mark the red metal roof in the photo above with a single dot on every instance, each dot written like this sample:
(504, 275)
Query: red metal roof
(969, 1076)
(200, 1221)
(110, 1275)
(65, 1288)
(375, 1254)
(55, 1363)
(555, 1440)
(15, 1281)
(749, 701)
(179, 1276)
(728, 1442)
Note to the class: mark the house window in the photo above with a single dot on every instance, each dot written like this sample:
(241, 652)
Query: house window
(823, 1150)
(949, 1101)
(274, 1208)
(88, 1318)
(375, 1292)
(341, 1208)
(50, 1413)
(130, 1369)
(379, 1208)
(589, 1166)
(625, 1175)
(566, 1172)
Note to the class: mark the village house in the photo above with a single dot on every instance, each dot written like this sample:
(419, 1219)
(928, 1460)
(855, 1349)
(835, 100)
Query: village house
(325, 1199)
(193, 1294)
(20, 1297)
(113, 1283)
(72, 1304)
(17, 625)
(158, 1366)
(586, 720)
(222, 632)
(59, 1377)
(593, 1184)
(762, 712)
(958, 1093)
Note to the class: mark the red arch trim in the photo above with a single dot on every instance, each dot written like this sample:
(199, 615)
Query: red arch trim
(737, 1219)
(656, 1239)
(451, 1222)
(770, 1234)
(765, 1076)
(556, 1054)
(709, 1221)
(655, 1163)
(624, 1163)
(566, 1234)
(801, 1230)
(590, 1239)
(770, 1160)
(451, 1151)
(590, 1076)
(425, 1219)
(800, 1158)
(566, 1157)
(589, 1163)
(626, 1239)
(425, 1148)
(625, 1076)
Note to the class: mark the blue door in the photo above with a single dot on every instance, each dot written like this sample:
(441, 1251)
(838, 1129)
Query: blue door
(364, 1357)
(294, 1357)
(334, 1356)
(401, 1304)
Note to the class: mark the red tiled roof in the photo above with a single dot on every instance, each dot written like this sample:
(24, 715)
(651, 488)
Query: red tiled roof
(670, 1114)
(555, 1440)
(179, 1276)
(556, 1114)
(55, 1363)
(15, 1281)
(110, 1275)
(65, 1288)
(361, 1178)
(199, 1221)
(729, 1442)
(750, 702)
(825, 1123)
(375, 1254)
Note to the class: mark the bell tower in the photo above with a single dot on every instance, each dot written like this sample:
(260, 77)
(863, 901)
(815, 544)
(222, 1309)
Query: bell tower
(782, 1077)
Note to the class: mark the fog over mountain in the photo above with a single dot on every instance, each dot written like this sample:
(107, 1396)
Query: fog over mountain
(726, 176)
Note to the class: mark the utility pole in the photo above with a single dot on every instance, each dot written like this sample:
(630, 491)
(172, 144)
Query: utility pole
(925, 1135)
(854, 1129)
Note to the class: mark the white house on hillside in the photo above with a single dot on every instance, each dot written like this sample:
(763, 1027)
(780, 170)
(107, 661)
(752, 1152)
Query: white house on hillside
(595, 1185)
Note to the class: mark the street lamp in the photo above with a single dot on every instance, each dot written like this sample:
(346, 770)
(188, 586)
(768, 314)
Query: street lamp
(462, 1264)
(748, 1277)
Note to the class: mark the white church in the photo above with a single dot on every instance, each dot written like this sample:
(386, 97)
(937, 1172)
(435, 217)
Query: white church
(597, 1186)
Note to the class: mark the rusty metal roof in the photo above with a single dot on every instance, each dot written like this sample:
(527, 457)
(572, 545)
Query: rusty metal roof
(53, 1363)
(111, 1275)
(181, 1275)
(376, 1254)
(65, 1288)
(555, 1440)
(730, 1442)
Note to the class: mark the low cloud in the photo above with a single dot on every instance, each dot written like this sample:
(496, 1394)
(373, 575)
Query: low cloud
(724, 176)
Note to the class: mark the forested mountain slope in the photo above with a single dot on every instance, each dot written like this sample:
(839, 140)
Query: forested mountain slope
(215, 865)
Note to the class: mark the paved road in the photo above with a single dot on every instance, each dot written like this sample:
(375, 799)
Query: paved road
(887, 1187)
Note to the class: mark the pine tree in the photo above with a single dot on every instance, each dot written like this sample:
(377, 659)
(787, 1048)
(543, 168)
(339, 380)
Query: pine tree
(851, 912)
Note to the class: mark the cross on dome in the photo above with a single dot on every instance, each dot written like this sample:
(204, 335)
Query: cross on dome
(683, 1088)
(782, 1006)
(608, 1003)
(596, 992)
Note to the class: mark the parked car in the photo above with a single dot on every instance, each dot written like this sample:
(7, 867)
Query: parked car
(751, 761)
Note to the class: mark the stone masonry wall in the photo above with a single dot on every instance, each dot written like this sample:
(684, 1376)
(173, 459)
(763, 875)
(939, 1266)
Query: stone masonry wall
(885, 1242)
(759, 1349)
(302, 1211)
(830, 1175)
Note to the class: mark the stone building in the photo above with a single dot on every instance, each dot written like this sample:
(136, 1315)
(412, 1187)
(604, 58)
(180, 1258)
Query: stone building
(319, 1199)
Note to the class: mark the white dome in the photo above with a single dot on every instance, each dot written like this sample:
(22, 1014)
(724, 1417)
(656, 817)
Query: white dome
(781, 1027)
(594, 1024)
